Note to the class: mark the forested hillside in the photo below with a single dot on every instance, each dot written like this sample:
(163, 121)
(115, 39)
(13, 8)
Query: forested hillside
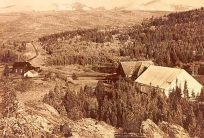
(12, 51)
(171, 40)
(174, 39)
(79, 91)
(123, 105)
(71, 47)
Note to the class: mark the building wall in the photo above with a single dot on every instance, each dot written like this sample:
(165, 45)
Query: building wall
(120, 71)
(147, 89)
(192, 84)
(19, 70)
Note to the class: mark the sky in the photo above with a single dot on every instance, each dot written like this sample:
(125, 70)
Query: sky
(47, 5)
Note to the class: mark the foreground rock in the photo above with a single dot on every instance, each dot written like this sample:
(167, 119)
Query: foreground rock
(151, 130)
(42, 120)
(164, 130)
(90, 128)
(174, 131)
(30, 121)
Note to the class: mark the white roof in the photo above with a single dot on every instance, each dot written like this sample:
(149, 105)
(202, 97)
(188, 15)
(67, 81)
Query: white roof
(32, 71)
(159, 76)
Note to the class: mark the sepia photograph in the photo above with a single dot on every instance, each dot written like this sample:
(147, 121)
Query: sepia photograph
(101, 68)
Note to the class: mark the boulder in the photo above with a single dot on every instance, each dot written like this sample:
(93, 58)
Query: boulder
(164, 130)
(90, 128)
(42, 120)
(30, 121)
(173, 130)
(52, 110)
(151, 130)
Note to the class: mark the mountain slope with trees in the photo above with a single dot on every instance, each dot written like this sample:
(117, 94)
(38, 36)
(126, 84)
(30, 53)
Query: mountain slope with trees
(170, 40)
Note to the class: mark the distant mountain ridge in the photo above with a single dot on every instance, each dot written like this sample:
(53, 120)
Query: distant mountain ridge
(32, 25)
(147, 5)
(165, 6)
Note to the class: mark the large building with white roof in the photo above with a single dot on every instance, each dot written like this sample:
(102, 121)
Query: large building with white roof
(166, 79)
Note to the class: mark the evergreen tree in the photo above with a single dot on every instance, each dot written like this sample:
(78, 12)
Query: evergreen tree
(190, 120)
(6, 71)
(185, 91)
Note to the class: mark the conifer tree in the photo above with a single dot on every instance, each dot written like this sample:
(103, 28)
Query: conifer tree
(185, 91)
(6, 71)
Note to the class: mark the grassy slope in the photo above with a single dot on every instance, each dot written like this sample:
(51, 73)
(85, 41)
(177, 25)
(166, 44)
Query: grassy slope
(31, 25)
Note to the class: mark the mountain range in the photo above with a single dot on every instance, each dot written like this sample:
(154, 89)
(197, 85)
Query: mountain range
(31, 25)
(58, 5)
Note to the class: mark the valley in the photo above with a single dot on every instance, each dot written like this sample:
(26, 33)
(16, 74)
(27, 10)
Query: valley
(77, 73)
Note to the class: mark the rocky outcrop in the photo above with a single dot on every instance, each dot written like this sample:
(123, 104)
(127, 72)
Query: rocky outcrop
(174, 131)
(30, 121)
(164, 130)
(90, 128)
(42, 120)
(7, 99)
(151, 130)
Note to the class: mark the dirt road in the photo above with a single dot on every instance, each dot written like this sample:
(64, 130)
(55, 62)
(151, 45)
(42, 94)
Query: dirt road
(36, 52)
(37, 60)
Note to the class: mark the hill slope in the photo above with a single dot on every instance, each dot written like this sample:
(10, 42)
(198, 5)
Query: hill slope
(31, 25)
(169, 40)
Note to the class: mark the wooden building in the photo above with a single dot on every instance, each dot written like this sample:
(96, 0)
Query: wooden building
(22, 67)
(133, 69)
(167, 79)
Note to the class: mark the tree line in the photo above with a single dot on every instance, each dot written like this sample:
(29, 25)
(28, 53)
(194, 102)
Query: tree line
(12, 51)
(170, 40)
(122, 104)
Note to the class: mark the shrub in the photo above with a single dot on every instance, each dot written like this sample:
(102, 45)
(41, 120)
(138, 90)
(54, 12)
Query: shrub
(74, 76)
(24, 85)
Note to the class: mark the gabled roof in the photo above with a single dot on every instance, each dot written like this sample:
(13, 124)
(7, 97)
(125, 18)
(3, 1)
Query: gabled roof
(131, 66)
(158, 76)
(32, 71)
(21, 64)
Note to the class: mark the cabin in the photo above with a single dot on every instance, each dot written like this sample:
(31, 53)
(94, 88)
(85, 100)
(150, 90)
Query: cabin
(167, 79)
(31, 74)
(133, 69)
(22, 67)
(111, 78)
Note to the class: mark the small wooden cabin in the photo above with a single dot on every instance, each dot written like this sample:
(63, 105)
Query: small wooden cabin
(22, 67)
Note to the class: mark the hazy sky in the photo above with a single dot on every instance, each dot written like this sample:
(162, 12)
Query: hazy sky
(45, 5)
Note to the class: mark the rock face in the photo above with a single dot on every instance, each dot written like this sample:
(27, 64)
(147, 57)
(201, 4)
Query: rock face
(164, 130)
(30, 121)
(90, 128)
(42, 120)
(7, 100)
(151, 130)
(174, 131)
